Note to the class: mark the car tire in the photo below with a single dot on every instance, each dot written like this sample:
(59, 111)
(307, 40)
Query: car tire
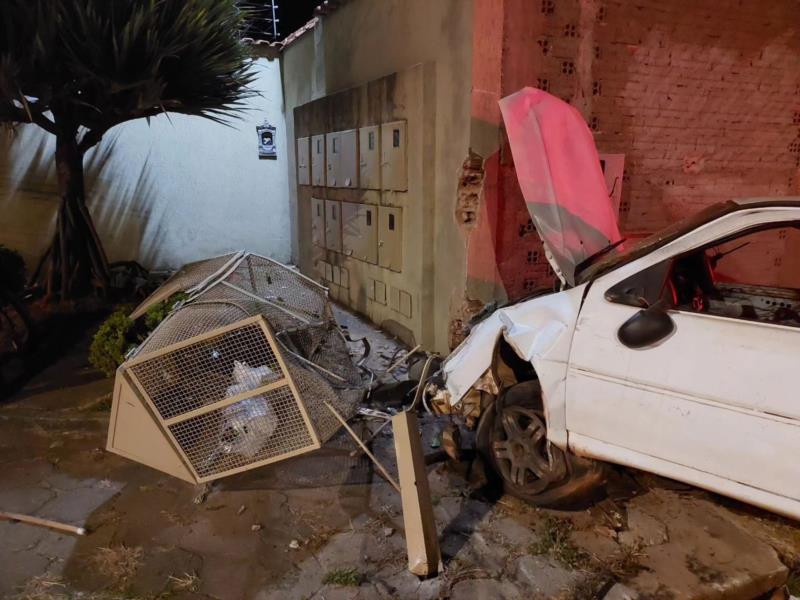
(512, 438)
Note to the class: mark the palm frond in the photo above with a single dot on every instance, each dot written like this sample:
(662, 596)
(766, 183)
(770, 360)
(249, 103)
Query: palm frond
(101, 62)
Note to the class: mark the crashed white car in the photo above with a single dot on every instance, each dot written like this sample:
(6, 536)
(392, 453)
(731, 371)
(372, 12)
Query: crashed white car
(674, 354)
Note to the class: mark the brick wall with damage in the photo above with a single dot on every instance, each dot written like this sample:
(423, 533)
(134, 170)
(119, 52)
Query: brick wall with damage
(702, 97)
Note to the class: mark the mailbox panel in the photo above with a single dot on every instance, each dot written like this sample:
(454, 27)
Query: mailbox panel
(360, 231)
(390, 238)
(369, 146)
(333, 226)
(318, 222)
(318, 160)
(348, 159)
(394, 165)
(333, 149)
(303, 161)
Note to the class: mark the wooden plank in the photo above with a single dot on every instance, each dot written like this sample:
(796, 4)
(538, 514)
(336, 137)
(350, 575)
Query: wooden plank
(157, 415)
(273, 344)
(207, 408)
(8, 516)
(260, 463)
(422, 541)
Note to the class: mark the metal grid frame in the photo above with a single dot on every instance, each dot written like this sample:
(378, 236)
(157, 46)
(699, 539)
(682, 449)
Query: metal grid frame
(175, 423)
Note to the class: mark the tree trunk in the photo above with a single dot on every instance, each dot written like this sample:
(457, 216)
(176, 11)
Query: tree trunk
(75, 264)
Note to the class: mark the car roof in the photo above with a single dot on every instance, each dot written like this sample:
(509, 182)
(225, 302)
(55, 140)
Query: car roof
(767, 201)
(711, 213)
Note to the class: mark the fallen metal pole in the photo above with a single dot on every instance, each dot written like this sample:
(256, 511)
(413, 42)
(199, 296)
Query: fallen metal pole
(366, 450)
(8, 516)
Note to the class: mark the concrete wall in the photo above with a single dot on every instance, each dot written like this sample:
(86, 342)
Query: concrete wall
(180, 189)
(701, 96)
(419, 53)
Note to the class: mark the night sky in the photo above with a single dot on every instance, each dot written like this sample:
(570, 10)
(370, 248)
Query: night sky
(292, 14)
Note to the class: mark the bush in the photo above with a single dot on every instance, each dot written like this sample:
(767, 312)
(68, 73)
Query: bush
(111, 342)
(12, 271)
(118, 334)
(158, 312)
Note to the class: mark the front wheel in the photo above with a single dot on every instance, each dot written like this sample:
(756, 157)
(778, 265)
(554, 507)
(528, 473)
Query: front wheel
(512, 437)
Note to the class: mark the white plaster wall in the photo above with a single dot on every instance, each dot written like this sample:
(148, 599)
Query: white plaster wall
(176, 190)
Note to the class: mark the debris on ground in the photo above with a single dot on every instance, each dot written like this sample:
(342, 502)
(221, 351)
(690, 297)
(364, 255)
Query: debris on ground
(31, 520)
(119, 563)
(188, 582)
(249, 368)
(336, 528)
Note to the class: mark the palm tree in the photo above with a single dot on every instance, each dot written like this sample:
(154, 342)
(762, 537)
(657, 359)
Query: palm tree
(78, 68)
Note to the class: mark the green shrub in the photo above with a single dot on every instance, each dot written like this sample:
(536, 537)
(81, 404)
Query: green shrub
(111, 342)
(158, 312)
(118, 334)
(12, 271)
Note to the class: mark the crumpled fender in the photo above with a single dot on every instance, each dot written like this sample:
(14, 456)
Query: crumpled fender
(540, 331)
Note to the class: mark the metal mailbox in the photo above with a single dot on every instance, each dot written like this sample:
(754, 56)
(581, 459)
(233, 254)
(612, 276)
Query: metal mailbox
(360, 231)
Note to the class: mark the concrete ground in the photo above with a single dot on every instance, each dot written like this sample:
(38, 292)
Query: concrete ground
(324, 525)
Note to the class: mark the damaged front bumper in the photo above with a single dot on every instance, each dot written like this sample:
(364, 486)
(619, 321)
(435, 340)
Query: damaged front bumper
(539, 331)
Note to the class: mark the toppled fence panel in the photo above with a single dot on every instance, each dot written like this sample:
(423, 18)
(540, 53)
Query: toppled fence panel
(239, 375)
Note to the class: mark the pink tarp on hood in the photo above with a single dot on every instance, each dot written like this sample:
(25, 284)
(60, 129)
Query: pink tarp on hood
(560, 177)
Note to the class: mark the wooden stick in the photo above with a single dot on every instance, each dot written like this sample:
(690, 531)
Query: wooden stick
(372, 436)
(404, 358)
(8, 516)
(381, 468)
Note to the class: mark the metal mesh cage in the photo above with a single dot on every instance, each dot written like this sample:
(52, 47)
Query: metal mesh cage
(244, 372)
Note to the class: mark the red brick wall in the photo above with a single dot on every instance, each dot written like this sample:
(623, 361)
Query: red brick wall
(702, 97)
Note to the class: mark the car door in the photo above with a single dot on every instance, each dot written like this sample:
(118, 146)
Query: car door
(714, 402)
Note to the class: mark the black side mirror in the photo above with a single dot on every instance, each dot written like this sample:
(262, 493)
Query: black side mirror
(646, 327)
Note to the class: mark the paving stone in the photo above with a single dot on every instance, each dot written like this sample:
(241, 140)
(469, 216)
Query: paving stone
(643, 529)
(483, 589)
(19, 537)
(25, 500)
(475, 550)
(76, 505)
(512, 531)
(621, 592)
(16, 568)
(56, 545)
(543, 576)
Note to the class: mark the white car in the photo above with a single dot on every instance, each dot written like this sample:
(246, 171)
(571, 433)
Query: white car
(675, 355)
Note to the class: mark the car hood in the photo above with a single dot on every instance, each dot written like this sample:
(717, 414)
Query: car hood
(535, 329)
(560, 177)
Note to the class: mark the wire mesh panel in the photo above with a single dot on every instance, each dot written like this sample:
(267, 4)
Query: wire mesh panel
(266, 427)
(275, 283)
(227, 399)
(209, 370)
(189, 276)
(244, 372)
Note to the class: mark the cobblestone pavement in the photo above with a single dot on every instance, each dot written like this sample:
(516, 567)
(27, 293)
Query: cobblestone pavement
(305, 527)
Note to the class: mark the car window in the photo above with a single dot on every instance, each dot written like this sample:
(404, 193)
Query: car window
(753, 275)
